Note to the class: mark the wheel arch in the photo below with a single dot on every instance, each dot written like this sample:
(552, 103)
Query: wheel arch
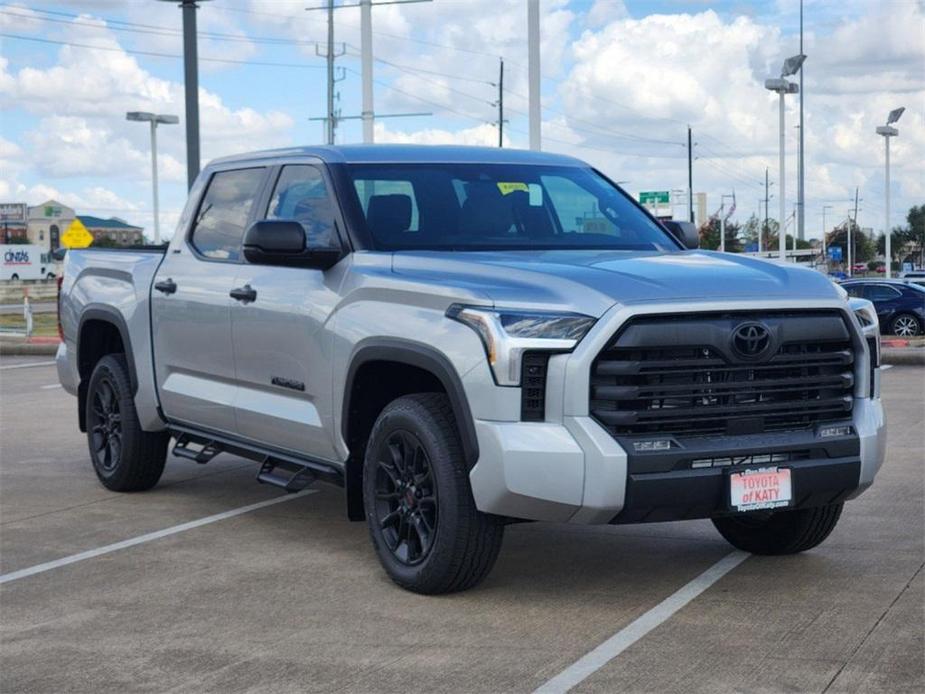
(413, 367)
(102, 330)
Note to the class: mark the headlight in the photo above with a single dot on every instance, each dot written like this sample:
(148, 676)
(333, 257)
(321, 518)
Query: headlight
(508, 333)
(866, 314)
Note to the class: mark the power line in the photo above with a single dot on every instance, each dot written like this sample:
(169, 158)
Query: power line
(154, 54)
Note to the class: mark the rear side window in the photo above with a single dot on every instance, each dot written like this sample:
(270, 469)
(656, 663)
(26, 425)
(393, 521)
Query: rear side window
(301, 195)
(224, 211)
(880, 292)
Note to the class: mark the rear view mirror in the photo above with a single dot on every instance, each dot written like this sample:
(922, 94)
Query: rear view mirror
(284, 242)
(685, 232)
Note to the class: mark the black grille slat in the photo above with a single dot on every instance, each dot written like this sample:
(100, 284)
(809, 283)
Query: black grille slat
(696, 385)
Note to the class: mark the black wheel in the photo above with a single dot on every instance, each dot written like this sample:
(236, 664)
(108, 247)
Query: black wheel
(906, 325)
(125, 458)
(424, 525)
(780, 532)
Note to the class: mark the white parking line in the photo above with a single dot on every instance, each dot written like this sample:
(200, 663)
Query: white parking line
(50, 386)
(156, 535)
(27, 366)
(884, 367)
(590, 663)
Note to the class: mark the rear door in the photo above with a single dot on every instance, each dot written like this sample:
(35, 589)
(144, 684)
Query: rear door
(191, 305)
(282, 346)
(885, 299)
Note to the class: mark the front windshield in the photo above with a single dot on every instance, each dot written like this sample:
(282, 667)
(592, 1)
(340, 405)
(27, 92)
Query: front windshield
(481, 207)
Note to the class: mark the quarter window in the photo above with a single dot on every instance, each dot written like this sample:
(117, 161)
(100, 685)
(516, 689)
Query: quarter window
(224, 211)
(880, 292)
(301, 195)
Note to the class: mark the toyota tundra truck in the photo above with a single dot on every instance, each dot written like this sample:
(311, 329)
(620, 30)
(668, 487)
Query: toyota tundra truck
(465, 338)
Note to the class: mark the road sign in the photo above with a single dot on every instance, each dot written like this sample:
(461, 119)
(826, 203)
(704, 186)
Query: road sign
(835, 253)
(660, 197)
(76, 235)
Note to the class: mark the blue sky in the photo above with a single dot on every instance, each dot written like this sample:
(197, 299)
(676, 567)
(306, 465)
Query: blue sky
(621, 82)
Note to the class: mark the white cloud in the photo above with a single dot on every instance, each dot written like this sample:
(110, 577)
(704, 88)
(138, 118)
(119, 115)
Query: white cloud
(481, 135)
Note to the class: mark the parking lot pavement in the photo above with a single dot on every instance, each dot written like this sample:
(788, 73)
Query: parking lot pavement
(290, 596)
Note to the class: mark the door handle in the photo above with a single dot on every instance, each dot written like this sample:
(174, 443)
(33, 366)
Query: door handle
(167, 286)
(244, 294)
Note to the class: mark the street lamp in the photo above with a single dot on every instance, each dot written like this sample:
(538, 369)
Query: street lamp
(153, 119)
(782, 87)
(888, 131)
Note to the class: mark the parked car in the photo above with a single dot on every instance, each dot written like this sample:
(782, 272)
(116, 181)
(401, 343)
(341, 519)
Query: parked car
(859, 267)
(900, 304)
(463, 338)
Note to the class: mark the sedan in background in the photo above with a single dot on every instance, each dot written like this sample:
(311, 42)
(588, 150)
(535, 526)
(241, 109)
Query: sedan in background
(900, 305)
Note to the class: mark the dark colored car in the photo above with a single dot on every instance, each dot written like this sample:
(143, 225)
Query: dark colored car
(900, 305)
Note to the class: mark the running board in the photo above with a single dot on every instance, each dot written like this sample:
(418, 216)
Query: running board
(287, 475)
(278, 467)
(200, 451)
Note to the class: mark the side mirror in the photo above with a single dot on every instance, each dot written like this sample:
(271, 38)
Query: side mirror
(685, 232)
(284, 242)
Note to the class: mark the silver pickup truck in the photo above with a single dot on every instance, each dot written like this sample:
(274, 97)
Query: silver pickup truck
(463, 338)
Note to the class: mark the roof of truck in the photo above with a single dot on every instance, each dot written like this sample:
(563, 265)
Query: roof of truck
(409, 154)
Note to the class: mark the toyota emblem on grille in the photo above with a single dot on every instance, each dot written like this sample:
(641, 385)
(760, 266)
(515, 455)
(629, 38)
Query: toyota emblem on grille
(751, 340)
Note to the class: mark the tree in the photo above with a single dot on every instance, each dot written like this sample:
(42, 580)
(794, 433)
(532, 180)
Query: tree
(709, 236)
(103, 241)
(863, 248)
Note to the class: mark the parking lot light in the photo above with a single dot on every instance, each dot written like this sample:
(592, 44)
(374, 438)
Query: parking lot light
(783, 86)
(888, 131)
(153, 119)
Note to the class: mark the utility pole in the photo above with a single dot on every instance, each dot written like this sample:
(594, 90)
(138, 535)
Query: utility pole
(825, 258)
(851, 224)
(366, 67)
(766, 201)
(533, 69)
(501, 103)
(330, 125)
(801, 233)
(690, 175)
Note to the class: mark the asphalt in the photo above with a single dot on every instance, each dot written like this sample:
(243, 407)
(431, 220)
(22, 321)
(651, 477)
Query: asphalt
(290, 597)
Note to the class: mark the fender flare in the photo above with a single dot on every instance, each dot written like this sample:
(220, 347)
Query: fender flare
(107, 314)
(423, 357)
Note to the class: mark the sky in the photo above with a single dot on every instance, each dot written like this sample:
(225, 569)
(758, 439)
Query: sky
(621, 82)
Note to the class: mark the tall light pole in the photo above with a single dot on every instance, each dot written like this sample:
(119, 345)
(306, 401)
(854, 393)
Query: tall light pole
(888, 131)
(533, 72)
(783, 87)
(801, 230)
(153, 119)
(722, 220)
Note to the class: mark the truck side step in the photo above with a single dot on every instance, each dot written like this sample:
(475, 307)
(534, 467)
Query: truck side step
(285, 474)
(200, 451)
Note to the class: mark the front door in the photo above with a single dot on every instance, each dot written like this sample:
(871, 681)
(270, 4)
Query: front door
(191, 306)
(282, 347)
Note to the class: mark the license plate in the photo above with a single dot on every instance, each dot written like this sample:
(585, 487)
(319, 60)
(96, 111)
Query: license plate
(756, 490)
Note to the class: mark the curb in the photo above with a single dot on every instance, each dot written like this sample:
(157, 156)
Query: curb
(10, 349)
(908, 356)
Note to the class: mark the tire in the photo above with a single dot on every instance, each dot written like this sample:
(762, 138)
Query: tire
(906, 325)
(422, 519)
(124, 457)
(783, 532)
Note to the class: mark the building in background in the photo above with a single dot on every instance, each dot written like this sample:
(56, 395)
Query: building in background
(47, 222)
(113, 231)
(701, 205)
(44, 225)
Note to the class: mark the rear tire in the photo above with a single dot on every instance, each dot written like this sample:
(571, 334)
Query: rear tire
(422, 519)
(783, 532)
(125, 457)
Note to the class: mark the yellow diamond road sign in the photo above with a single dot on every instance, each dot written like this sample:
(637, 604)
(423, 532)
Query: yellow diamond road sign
(76, 235)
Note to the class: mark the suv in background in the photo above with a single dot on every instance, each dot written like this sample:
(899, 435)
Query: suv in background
(900, 304)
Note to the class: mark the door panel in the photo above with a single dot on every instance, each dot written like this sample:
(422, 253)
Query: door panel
(193, 347)
(282, 347)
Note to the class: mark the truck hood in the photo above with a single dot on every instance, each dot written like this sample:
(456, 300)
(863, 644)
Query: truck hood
(592, 281)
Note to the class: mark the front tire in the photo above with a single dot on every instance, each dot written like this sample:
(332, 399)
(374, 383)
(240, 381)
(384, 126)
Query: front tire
(125, 457)
(781, 532)
(422, 519)
(906, 325)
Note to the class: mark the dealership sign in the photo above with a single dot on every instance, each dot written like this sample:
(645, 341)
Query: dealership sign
(13, 212)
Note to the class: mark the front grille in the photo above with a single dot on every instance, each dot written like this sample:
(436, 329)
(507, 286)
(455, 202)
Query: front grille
(680, 375)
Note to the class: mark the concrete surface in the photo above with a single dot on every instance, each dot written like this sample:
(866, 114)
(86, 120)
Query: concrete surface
(291, 597)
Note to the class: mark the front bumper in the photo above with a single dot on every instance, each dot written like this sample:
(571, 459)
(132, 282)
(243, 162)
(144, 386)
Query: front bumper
(570, 469)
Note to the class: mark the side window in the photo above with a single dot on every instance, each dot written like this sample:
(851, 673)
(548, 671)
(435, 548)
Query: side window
(224, 211)
(880, 292)
(302, 195)
(856, 290)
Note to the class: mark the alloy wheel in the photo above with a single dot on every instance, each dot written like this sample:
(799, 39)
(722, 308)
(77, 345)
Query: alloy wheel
(106, 425)
(906, 326)
(406, 497)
